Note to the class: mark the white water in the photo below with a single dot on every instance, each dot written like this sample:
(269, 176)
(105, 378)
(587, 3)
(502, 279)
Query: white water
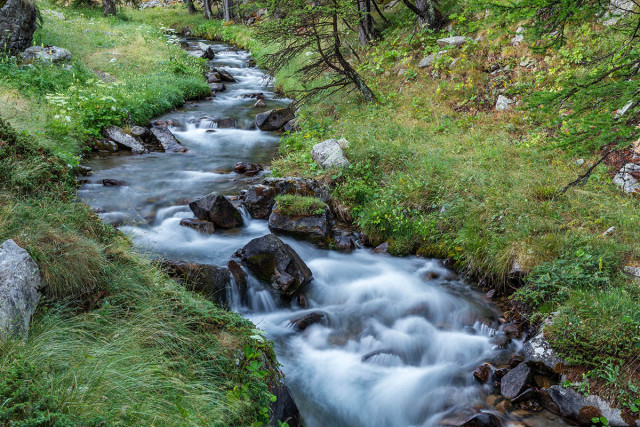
(394, 349)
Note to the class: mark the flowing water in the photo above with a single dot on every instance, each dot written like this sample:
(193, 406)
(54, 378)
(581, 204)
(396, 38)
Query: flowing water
(401, 336)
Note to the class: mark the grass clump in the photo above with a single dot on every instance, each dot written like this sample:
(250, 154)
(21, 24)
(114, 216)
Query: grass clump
(295, 206)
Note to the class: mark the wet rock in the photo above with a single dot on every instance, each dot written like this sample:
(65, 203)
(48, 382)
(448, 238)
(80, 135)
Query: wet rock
(248, 169)
(452, 41)
(259, 200)
(217, 87)
(291, 126)
(209, 280)
(106, 145)
(302, 323)
(141, 133)
(345, 241)
(314, 228)
(46, 54)
(428, 60)
(515, 381)
(503, 103)
(18, 21)
(300, 187)
(539, 355)
(580, 408)
(108, 182)
(209, 122)
(257, 95)
(382, 248)
(205, 227)
(20, 286)
(329, 154)
(123, 139)
(166, 140)
(213, 78)
(627, 178)
(482, 373)
(512, 331)
(276, 263)
(226, 76)
(284, 409)
(84, 170)
(260, 104)
(501, 340)
(503, 406)
(482, 419)
(207, 51)
(528, 394)
(274, 120)
(239, 279)
(218, 209)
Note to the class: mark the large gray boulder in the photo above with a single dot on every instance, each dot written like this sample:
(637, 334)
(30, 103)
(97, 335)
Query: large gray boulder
(17, 24)
(276, 263)
(626, 178)
(314, 228)
(273, 120)
(329, 154)
(539, 355)
(452, 41)
(581, 409)
(46, 54)
(259, 200)
(123, 139)
(428, 60)
(166, 139)
(207, 51)
(515, 382)
(218, 209)
(20, 284)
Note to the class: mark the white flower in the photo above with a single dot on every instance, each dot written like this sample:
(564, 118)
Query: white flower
(113, 108)
(67, 118)
(57, 116)
(113, 60)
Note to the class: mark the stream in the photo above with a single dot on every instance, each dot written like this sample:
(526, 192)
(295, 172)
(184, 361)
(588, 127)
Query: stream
(402, 336)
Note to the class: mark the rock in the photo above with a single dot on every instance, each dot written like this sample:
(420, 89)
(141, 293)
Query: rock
(291, 126)
(300, 187)
(345, 240)
(302, 323)
(519, 37)
(274, 262)
(257, 95)
(482, 419)
(616, 10)
(580, 408)
(259, 200)
(503, 103)
(214, 78)
(515, 381)
(106, 145)
(113, 183)
(209, 280)
(382, 248)
(217, 87)
(18, 20)
(528, 394)
(210, 122)
(260, 104)
(167, 141)
(140, 132)
(248, 169)
(84, 170)
(196, 53)
(539, 355)
(482, 373)
(123, 139)
(501, 340)
(218, 209)
(274, 120)
(632, 271)
(428, 60)
(329, 154)
(207, 51)
(622, 111)
(226, 76)
(205, 227)
(452, 41)
(503, 406)
(46, 54)
(314, 228)
(239, 279)
(20, 286)
(512, 331)
(284, 409)
(626, 178)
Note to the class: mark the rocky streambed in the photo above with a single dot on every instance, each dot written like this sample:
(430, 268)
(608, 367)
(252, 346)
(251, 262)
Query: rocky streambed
(364, 338)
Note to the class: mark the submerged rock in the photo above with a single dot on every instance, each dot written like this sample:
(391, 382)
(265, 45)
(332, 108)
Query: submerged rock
(248, 169)
(203, 226)
(108, 182)
(302, 323)
(329, 154)
(260, 104)
(218, 209)
(123, 139)
(20, 286)
(273, 120)
(276, 263)
(284, 409)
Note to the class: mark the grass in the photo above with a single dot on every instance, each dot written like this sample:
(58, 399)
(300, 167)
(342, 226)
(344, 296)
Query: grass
(296, 206)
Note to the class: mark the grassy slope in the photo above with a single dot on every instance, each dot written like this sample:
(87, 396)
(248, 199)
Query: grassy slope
(114, 341)
(437, 171)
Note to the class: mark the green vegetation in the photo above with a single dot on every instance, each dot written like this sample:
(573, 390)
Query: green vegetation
(292, 205)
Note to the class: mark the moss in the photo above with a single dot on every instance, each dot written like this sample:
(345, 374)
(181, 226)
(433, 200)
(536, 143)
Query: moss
(296, 206)
(262, 266)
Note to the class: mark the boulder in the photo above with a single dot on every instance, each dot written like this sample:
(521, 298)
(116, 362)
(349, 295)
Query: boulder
(259, 200)
(284, 409)
(123, 139)
(109, 182)
(203, 226)
(218, 209)
(260, 104)
(46, 54)
(291, 126)
(209, 280)
(428, 60)
(577, 407)
(239, 279)
(226, 76)
(329, 154)
(314, 228)
(381, 249)
(276, 263)
(210, 122)
(166, 140)
(257, 95)
(18, 20)
(207, 51)
(345, 240)
(515, 382)
(248, 169)
(140, 132)
(20, 286)
(482, 373)
(482, 419)
(452, 41)
(300, 187)
(503, 103)
(217, 87)
(214, 78)
(302, 323)
(539, 355)
(273, 120)
(626, 178)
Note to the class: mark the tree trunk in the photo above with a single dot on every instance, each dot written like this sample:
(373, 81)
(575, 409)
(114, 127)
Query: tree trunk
(207, 9)
(365, 26)
(431, 16)
(192, 8)
(109, 7)
(228, 10)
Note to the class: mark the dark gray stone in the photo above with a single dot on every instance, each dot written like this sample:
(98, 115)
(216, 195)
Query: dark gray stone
(209, 280)
(218, 209)
(226, 76)
(515, 382)
(580, 408)
(273, 120)
(203, 226)
(166, 140)
(482, 419)
(207, 51)
(284, 409)
(314, 228)
(302, 323)
(259, 200)
(123, 139)
(17, 24)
